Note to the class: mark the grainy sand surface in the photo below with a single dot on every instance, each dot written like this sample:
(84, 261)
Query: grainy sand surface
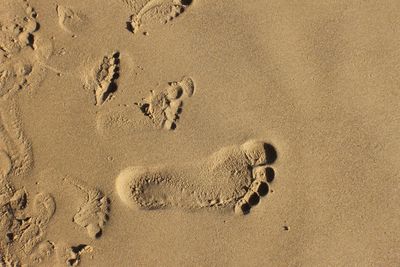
(199, 133)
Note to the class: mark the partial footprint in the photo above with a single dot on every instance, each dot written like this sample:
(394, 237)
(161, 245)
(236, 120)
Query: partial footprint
(161, 110)
(17, 25)
(102, 79)
(21, 62)
(233, 177)
(164, 107)
(71, 255)
(70, 20)
(14, 75)
(150, 11)
(42, 252)
(94, 212)
(23, 226)
(43, 209)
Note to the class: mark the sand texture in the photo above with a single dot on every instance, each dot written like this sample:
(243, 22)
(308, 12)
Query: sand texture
(199, 133)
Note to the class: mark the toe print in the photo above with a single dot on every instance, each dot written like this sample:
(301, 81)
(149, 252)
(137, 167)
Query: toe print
(260, 187)
(242, 207)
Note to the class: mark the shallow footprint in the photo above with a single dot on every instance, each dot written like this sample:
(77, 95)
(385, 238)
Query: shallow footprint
(70, 20)
(42, 252)
(17, 25)
(94, 211)
(151, 11)
(71, 255)
(234, 177)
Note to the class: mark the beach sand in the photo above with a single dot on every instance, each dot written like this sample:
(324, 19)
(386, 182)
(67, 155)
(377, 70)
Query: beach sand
(199, 133)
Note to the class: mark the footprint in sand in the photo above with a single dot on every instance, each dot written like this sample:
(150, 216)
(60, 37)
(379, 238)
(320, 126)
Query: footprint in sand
(71, 255)
(17, 44)
(159, 110)
(94, 212)
(22, 53)
(101, 80)
(70, 20)
(17, 25)
(233, 177)
(150, 11)
(43, 251)
(23, 226)
(14, 76)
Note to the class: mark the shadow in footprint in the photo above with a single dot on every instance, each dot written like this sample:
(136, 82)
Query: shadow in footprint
(271, 153)
(270, 174)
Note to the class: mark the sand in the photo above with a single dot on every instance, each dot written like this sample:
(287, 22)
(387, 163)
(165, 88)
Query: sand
(199, 133)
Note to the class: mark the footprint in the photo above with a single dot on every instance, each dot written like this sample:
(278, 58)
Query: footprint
(102, 80)
(17, 25)
(94, 212)
(14, 75)
(23, 226)
(21, 64)
(42, 252)
(69, 20)
(161, 111)
(233, 177)
(71, 255)
(36, 222)
(164, 107)
(150, 11)
(43, 209)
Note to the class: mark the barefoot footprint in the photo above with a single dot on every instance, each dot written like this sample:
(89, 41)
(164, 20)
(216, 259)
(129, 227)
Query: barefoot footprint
(70, 20)
(233, 177)
(164, 107)
(102, 79)
(161, 110)
(155, 10)
(94, 212)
